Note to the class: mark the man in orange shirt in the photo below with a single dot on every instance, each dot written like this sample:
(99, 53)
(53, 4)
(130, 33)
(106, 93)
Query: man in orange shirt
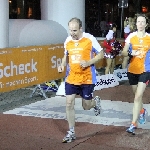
(80, 48)
(137, 46)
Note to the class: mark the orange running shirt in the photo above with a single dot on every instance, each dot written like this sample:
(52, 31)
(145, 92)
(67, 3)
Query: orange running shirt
(139, 64)
(77, 50)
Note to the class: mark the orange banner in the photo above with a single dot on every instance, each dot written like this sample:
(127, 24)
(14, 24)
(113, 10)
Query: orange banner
(26, 66)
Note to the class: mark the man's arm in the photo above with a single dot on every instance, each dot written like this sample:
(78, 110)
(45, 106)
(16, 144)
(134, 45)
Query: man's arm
(63, 64)
(96, 58)
(64, 60)
(99, 56)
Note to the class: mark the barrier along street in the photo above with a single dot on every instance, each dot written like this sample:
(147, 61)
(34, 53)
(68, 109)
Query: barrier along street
(22, 67)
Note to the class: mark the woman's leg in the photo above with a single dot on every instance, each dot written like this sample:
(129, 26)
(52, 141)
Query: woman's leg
(108, 62)
(138, 104)
(112, 66)
(134, 88)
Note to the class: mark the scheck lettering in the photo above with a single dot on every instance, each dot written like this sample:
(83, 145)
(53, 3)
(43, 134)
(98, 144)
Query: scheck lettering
(20, 69)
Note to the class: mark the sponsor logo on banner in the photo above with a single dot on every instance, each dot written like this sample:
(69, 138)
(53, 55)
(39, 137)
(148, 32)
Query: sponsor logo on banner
(121, 74)
(56, 61)
(106, 81)
(14, 70)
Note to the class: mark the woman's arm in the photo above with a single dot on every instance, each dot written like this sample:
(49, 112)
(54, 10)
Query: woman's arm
(125, 49)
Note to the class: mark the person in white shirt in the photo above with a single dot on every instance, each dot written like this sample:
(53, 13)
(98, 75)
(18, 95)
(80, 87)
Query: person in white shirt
(128, 28)
(104, 28)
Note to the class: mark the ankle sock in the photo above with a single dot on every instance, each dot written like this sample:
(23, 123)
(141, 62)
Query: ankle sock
(134, 124)
(142, 111)
(72, 129)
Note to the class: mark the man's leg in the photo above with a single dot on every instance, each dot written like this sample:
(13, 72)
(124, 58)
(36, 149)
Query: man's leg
(88, 104)
(88, 101)
(94, 103)
(70, 114)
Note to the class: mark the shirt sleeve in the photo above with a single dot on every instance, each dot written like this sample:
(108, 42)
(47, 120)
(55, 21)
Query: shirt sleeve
(109, 36)
(65, 45)
(96, 46)
(127, 40)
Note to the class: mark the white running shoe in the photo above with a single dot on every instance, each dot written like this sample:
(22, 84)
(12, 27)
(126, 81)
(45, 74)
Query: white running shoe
(97, 107)
(69, 137)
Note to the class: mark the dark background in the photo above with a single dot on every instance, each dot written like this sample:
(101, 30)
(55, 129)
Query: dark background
(95, 11)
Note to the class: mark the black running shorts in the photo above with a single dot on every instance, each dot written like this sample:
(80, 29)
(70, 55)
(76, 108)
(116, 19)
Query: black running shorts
(135, 78)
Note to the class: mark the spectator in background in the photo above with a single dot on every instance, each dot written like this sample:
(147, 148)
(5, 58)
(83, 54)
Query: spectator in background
(129, 27)
(126, 28)
(87, 27)
(103, 27)
(109, 47)
(96, 28)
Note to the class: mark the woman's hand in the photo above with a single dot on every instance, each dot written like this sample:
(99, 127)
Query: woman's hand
(135, 52)
(113, 48)
(138, 53)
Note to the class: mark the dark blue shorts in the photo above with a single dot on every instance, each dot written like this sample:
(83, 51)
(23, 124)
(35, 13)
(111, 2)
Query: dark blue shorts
(84, 90)
(135, 78)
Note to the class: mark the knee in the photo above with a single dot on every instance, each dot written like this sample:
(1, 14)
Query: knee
(69, 105)
(138, 98)
(109, 66)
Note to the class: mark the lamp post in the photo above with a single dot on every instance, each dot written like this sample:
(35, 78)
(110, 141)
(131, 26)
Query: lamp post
(122, 4)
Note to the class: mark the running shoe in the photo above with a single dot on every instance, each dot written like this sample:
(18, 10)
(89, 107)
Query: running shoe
(131, 129)
(97, 107)
(142, 117)
(69, 137)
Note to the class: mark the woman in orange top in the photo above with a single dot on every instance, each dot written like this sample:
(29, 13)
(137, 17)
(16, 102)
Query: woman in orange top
(137, 46)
